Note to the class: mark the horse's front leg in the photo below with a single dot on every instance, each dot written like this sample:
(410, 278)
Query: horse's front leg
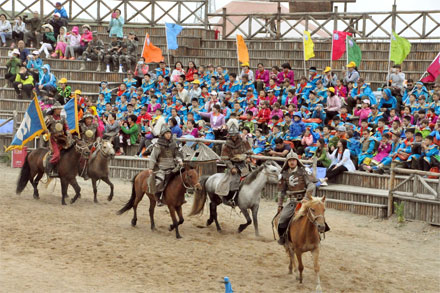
(255, 219)
(151, 212)
(34, 183)
(175, 224)
(76, 188)
(106, 180)
(300, 266)
(315, 254)
(64, 186)
(248, 220)
(95, 190)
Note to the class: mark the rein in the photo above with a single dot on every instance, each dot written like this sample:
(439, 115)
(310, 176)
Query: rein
(183, 180)
(81, 150)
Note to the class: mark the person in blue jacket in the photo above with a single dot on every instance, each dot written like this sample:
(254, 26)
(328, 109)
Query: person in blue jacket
(60, 9)
(319, 113)
(367, 147)
(429, 151)
(48, 82)
(387, 102)
(374, 116)
(420, 89)
(363, 90)
(260, 142)
(297, 128)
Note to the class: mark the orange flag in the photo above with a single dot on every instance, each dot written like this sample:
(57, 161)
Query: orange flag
(242, 51)
(151, 53)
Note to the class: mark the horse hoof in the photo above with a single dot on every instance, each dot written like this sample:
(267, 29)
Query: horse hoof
(171, 228)
(241, 228)
(95, 201)
(133, 223)
(179, 237)
(72, 201)
(36, 196)
(110, 198)
(209, 222)
(63, 203)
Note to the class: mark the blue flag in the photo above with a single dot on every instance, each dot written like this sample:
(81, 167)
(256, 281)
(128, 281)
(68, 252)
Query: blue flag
(71, 112)
(31, 126)
(172, 31)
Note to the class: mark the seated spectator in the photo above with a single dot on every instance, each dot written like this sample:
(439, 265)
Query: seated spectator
(280, 149)
(191, 129)
(323, 159)
(24, 53)
(56, 22)
(35, 65)
(64, 91)
(85, 39)
(49, 40)
(112, 131)
(341, 162)
(48, 82)
(216, 120)
(175, 128)
(60, 49)
(24, 84)
(18, 31)
(32, 36)
(429, 154)
(245, 71)
(5, 29)
(130, 132)
(73, 43)
(141, 69)
(12, 67)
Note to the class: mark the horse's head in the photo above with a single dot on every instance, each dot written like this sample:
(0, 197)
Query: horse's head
(82, 148)
(191, 178)
(315, 209)
(273, 171)
(107, 149)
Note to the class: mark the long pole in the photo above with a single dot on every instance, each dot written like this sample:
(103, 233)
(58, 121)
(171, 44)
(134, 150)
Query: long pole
(238, 59)
(304, 55)
(389, 60)
(168, 51)
(346, 49)
(331, 53)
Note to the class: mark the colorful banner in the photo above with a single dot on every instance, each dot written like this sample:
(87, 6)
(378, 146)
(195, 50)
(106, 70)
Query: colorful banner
(242, 51)
(150, 52)
(31, 126)
(172, 31)
(354, 53)
(338, 44)
(308, 46)
(400, 48)
(71, 112)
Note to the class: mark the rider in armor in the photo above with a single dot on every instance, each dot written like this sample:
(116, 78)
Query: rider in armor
(89, 132)
(59, 136)
(296, 182)
(234, 154)
(165, 158)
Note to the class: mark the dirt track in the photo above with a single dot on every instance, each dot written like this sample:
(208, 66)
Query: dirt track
(85, 247)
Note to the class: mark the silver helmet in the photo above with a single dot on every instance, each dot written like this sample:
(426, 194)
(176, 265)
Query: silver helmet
(233, 130)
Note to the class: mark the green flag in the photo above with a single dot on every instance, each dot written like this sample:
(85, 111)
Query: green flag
(400, 48)
(353, 51)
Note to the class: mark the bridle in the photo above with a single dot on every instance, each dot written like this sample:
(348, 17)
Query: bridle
(82, 149)
(98, 146)
(313, 219)
(183, 180)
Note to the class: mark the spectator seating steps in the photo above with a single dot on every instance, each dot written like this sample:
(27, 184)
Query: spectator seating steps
(9, 93)
(83, 85)
(358, 200)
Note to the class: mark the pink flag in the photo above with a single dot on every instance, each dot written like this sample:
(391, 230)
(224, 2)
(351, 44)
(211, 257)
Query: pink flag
(433, 70)
(338, 44)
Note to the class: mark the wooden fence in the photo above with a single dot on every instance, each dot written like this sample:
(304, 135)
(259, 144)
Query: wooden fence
(365, 25)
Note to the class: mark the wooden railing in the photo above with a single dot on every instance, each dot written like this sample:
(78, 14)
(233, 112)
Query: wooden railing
(366, 25)
(152, 12)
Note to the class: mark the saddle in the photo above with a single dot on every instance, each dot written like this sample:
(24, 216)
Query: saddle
(46, 163)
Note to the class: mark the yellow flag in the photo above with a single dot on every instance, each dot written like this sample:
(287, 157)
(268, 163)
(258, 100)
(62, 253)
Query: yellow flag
(308, 46)
(242, 51)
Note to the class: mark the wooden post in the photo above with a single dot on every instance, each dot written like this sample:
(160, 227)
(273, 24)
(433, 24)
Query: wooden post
(278, 28)
(335, 28)
(98, 13)
(438, 188)
(152, 22)
(206, 10)
(70, 9)
(224, 24)
(14, 125)
(315, 165)
(13, 9)
(390, 191)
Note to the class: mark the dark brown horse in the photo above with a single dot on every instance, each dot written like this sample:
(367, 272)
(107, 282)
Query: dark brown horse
(98, 167)
(304, 236)
(33, 169)
(173, 195)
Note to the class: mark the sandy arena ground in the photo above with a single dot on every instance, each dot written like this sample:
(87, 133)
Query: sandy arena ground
(86, 247)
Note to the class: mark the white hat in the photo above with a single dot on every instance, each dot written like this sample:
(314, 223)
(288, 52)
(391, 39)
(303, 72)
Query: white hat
(36, 52)
(57, 14)
(366, 101)
(15, 51)
(213, 93)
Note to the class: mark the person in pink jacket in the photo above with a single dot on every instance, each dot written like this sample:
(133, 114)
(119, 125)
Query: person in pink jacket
(261, 77)
(307, 139)
(288, 73)
(276, 111)
(363, 111)
(86, 37)
(333, 104)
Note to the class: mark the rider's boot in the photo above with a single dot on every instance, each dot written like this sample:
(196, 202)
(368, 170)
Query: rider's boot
(52, 170)
(159, 202)
(282, 233)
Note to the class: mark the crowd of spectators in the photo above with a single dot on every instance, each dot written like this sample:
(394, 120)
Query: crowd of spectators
(339, 120)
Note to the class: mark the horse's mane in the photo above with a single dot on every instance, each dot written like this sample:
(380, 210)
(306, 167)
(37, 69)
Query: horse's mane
(177, 173)
(67, 150)
(304, 206)
(253, 175)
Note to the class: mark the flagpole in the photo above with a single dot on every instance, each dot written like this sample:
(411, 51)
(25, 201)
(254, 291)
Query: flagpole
(168, 51)
(346, 49)
(304, 55)
(238, 60)
(389, 60)
(331, 54)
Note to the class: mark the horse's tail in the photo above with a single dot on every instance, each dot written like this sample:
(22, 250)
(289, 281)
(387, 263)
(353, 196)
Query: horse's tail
(199, 198)
(130, 202)
(25, 176)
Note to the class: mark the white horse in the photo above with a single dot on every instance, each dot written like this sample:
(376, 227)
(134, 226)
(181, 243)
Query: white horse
(248, 196)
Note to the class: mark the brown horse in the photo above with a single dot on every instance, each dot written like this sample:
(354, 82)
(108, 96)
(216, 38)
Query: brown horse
(98, 167)
(173, 195)
(304, 236)
(33, 169)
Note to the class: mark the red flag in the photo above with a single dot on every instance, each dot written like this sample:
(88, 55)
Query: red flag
(151, 53)
(433, 70)
(338, 44)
